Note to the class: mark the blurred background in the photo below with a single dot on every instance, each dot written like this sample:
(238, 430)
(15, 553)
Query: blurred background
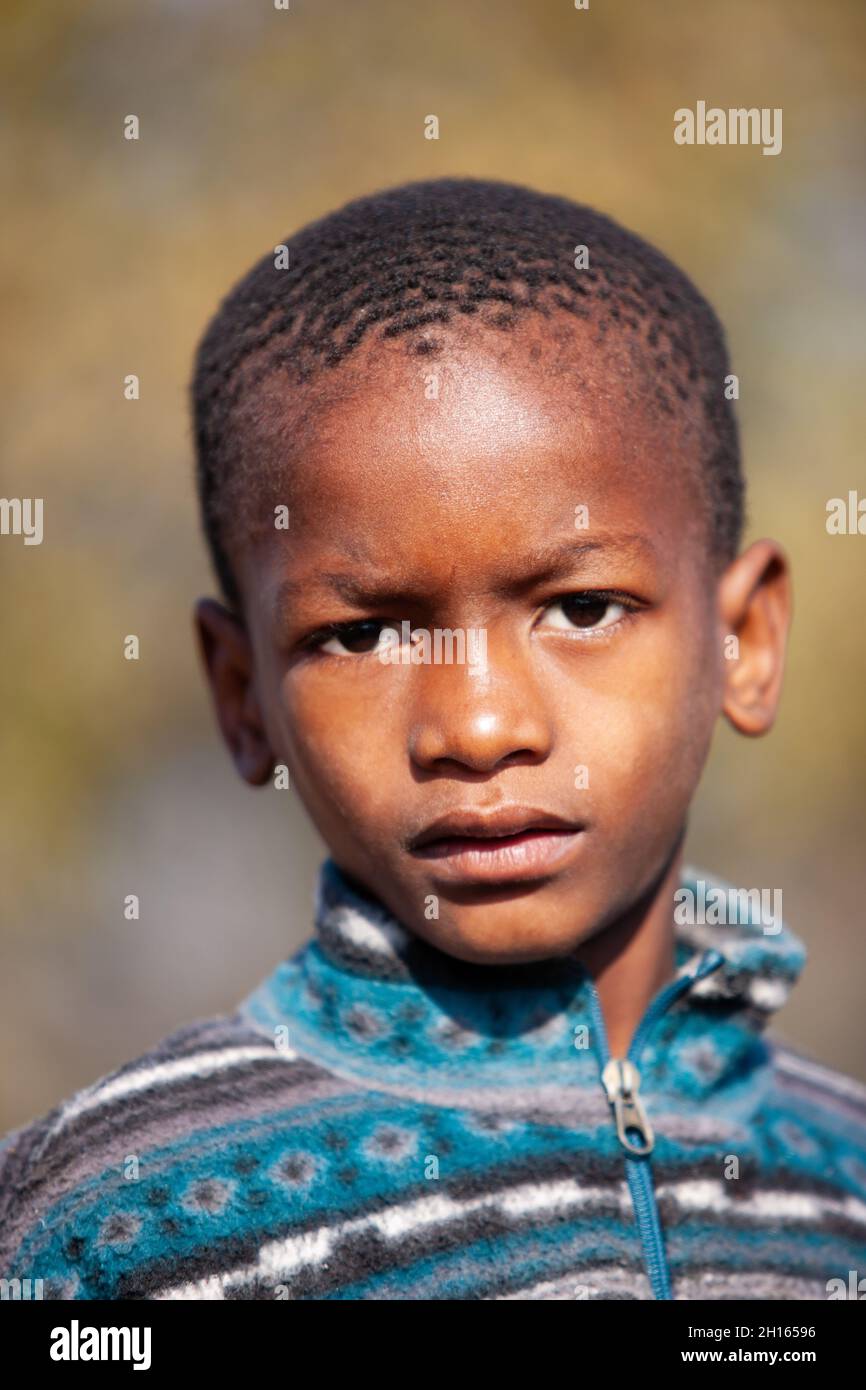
(254, 120)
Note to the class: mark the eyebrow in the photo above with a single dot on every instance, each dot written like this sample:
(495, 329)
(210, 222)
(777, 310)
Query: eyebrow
(347, 587)
(560, 558)
(546, 563)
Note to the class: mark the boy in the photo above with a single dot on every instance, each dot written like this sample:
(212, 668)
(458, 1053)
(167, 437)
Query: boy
(511, 1063)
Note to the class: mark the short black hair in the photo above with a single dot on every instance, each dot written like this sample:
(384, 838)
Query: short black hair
(412, 260)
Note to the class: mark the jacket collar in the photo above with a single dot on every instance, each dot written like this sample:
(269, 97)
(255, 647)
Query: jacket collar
(370, 1001)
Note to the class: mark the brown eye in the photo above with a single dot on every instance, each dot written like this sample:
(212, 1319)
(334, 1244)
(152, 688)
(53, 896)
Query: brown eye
(589, 612)
(585, 610)
(355, 639)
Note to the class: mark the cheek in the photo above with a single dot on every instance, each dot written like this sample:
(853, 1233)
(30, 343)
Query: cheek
(644, 738)
(330, 741)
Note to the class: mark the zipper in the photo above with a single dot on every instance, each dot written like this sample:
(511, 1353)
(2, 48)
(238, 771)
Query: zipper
(620, 1078)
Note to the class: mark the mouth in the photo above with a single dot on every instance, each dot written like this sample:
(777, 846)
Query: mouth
(510, 845)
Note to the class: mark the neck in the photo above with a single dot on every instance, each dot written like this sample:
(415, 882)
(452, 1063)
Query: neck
(633, 958)
(371, 1002)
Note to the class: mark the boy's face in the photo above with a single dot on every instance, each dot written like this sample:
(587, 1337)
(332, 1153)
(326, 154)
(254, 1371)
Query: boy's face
(505, 811)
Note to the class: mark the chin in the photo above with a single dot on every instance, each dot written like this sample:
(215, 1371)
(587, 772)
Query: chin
(501, 940)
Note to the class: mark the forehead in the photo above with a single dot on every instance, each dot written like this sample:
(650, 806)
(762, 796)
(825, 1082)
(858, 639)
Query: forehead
(425, 458)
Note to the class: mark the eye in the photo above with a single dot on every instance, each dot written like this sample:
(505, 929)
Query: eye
(587, 611)
(355, 639)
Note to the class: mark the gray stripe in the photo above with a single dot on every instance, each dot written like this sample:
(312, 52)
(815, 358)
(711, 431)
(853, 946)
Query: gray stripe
(611, 1282)
(763, 1285)
(832, 1104)
(52, 1183)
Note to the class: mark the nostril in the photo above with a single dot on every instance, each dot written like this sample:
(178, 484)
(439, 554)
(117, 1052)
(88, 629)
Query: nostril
(520, 757)
(482, 763)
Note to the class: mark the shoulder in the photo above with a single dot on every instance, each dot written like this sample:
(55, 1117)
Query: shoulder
(798, 1073)
(820, 1098)
(68, 1177)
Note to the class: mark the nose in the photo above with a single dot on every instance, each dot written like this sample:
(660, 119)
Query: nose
(475, 720)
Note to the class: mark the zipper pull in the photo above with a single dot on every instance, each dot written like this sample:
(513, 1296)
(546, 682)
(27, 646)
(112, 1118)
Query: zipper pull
(621, 1081)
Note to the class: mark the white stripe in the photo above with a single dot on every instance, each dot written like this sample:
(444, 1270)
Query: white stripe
(280, 1259)
(768, 994)
(762, 992)
(212, 1288)
(772, 1205)
(164, 1073)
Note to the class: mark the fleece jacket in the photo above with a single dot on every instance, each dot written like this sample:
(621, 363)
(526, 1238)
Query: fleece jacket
(379, 1120)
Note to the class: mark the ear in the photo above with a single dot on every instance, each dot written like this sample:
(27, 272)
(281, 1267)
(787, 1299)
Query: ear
(755, 608)
(228, 659)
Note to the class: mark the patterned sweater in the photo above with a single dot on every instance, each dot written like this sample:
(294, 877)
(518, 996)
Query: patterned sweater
(378, 1120)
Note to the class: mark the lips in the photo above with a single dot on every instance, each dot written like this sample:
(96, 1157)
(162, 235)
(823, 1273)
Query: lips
(510, 844)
